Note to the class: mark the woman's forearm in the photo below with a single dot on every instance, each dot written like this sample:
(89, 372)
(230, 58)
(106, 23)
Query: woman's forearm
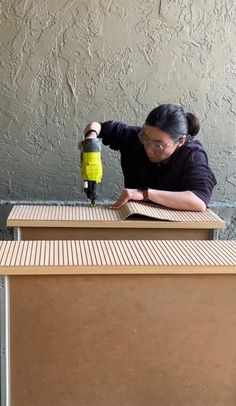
(177, 200)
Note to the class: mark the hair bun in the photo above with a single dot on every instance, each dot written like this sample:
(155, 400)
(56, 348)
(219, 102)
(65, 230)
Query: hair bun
(193, 124)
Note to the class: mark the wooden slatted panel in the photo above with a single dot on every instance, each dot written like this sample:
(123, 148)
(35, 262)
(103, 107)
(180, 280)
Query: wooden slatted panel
(42, 257)
(104, 213)
(171, 215)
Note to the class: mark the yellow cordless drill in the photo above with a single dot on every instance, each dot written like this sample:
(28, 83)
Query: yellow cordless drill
(91, 166)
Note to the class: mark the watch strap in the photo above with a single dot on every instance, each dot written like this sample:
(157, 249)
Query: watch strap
(145, 194)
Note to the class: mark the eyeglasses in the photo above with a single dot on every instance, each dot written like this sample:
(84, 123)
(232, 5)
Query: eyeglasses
(156, 145)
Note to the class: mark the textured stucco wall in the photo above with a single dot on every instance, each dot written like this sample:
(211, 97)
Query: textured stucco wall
(66, 62)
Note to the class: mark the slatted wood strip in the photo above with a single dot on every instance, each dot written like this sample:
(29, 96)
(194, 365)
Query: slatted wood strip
(171, 215)
(105, 213)
(71, 257)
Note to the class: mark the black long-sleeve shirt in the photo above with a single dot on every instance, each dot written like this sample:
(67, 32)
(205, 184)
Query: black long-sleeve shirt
(187, 168)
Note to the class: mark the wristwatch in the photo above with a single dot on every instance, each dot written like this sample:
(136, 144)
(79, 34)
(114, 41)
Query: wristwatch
(145, 194)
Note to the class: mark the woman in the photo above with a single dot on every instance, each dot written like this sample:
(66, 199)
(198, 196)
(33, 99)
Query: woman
(160, 161)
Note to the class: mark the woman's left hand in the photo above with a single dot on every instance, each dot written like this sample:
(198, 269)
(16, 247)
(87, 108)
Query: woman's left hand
(126, 195)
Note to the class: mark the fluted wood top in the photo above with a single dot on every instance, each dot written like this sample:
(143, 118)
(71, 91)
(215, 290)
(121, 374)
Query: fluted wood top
(117, 257)
(131, 215)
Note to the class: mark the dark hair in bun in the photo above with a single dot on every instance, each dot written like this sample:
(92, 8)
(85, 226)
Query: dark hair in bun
(173, 120)
(193, 124)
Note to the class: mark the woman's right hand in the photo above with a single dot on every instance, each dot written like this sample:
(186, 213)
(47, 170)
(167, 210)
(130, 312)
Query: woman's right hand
(95, 129)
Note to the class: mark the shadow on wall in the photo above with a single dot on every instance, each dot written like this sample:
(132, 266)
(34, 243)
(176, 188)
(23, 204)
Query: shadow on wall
(6, 233)
(229, 216)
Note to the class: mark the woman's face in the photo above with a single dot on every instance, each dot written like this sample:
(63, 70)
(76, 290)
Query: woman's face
(159, 146)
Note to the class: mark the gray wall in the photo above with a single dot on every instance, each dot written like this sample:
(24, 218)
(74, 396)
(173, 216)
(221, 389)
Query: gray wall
(66, 62)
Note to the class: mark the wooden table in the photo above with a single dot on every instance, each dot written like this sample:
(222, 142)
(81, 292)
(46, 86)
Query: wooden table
(81, 222)
(136, 323)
